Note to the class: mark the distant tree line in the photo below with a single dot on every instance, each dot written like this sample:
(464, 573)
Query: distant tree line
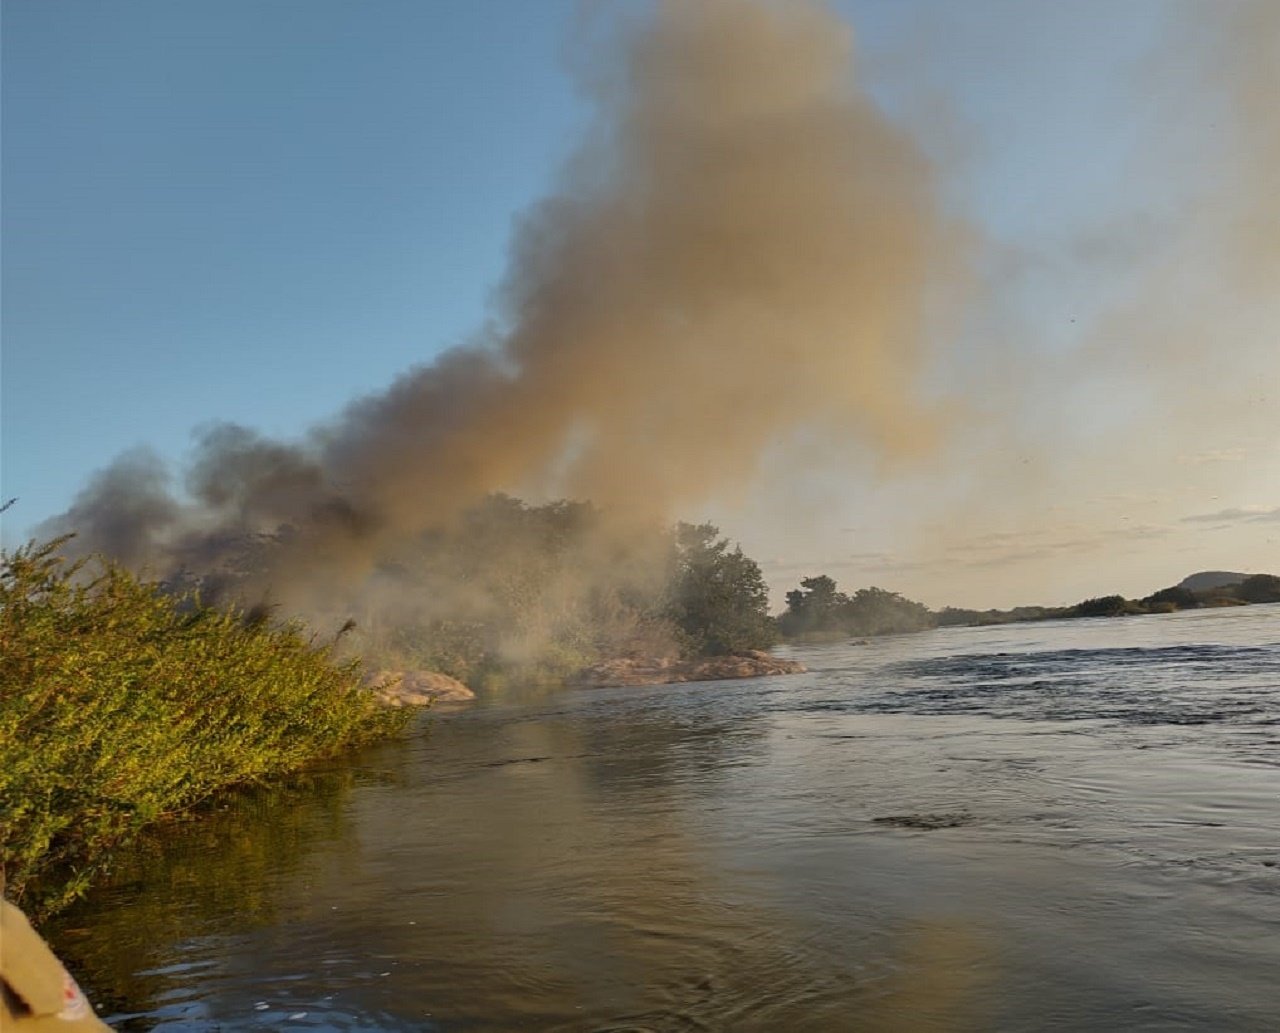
(818, 611)
(1258, 588)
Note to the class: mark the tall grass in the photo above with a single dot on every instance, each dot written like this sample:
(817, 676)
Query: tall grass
(121, 705)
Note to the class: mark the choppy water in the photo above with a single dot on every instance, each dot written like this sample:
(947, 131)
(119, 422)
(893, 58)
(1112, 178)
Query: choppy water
(1066, 825)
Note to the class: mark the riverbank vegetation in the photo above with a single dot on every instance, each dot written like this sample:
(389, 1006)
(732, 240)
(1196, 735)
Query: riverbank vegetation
(125, 701)
(1256, 588)
(818, 611)
(122, 704)
(519, 592)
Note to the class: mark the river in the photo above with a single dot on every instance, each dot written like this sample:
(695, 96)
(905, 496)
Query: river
(1053, 826)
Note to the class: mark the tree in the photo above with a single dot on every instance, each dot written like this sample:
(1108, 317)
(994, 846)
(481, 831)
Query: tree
(875, 611)
(1103, 606)
(719, 600)
(814, 606)
(817, 607)
(1261, 588)
(1177, 597)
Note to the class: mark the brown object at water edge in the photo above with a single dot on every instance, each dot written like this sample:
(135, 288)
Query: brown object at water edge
(37, 995)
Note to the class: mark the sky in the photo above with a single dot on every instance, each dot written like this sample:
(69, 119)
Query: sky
(257, 213)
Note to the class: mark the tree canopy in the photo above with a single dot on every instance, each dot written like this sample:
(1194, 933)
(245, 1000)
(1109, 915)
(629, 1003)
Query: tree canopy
(818, 609)
(719, 600)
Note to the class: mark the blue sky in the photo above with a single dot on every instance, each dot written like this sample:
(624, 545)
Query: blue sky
(255, 212)
(250, 211)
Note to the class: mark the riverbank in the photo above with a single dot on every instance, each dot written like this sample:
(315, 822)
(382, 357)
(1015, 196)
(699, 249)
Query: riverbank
(122, 706)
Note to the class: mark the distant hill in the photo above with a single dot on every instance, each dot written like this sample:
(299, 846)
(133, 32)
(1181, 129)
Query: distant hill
(1207, 580)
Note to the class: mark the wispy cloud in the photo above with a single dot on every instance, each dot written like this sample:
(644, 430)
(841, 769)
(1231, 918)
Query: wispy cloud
(856, 565)
(1214, 455)
(1128, 498)
(1000, 549)
(1236, 515)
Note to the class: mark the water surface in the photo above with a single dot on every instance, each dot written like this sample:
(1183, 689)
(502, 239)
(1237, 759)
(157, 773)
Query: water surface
(1064, 825)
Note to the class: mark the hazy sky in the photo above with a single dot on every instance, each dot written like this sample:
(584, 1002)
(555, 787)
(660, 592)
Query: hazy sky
(256, 212)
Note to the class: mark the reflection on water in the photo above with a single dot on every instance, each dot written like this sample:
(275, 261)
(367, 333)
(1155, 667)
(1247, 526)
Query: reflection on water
(709, 857)
(184, 886)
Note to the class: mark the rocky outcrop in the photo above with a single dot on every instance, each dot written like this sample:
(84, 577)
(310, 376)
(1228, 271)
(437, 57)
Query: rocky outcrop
(667, 670)
(417, 688)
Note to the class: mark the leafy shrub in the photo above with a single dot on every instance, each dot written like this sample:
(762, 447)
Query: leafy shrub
(817, 610)
(1169, 599)
(1102, 606)
(1260, 588)
(719, 600)
(121, 705)
(535, 593)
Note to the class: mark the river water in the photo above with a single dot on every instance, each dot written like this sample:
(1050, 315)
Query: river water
(1063, 825)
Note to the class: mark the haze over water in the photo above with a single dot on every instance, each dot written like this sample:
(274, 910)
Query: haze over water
(1065, 825)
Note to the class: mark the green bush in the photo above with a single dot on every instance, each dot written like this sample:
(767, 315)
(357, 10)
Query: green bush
(817, 611)
(1260, 588)
(121, 705)
(1102, 606)
(719, 601)
(1168, 600)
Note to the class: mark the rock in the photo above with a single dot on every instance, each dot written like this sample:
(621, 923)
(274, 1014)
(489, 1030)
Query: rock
(925, 822)
(417, 688)
(665, 670)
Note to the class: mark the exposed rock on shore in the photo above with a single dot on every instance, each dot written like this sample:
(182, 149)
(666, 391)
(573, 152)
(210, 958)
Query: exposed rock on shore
(417, 688)
(667, 670)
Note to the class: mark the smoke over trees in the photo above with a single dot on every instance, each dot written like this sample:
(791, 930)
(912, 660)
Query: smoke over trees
(743, 248)
(547, 590)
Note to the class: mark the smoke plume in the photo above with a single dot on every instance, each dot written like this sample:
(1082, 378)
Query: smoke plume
(743, 248)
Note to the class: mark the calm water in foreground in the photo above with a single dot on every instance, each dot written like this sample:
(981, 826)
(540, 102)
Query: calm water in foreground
(1048, 826)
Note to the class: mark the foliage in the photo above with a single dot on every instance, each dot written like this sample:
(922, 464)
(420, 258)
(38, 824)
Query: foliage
(121, 705)
(520, 591)
(1169, 599)
(1102, 606)
(813, 607)
(952, 616)
(719, 600)
(1260, 588)
(537, 592)
(818, 609)
(874, 611)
